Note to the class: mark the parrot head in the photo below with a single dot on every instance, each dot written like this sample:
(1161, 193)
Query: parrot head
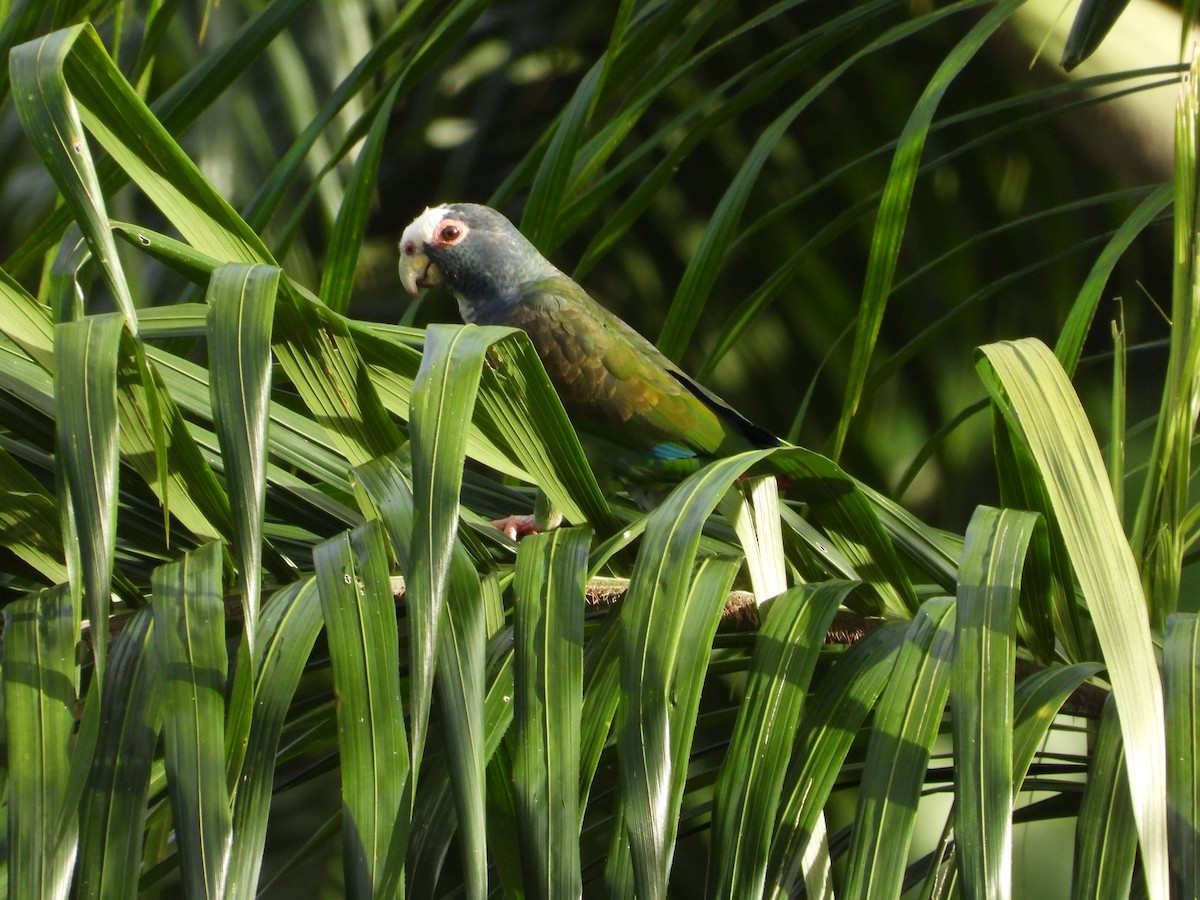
(473, 251)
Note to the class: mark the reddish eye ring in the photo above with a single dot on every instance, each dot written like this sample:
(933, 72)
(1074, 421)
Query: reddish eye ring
(450, 232)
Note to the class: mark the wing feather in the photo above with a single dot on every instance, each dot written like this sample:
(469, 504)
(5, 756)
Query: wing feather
(616, 383)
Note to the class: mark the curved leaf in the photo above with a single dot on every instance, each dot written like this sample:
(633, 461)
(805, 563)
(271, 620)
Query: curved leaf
(906, 723)
(443, 399)
(751, 780)
(841, 703)
(360, 622)
(113, 812)
(189, 642)
(40, 634)
(241, 306)
(981, 696)
(291, 623)
(653, 618)
(547, 703)
(893, 209)
(52, 121)
(87, 355)
(1106, 832)
(1040, 408)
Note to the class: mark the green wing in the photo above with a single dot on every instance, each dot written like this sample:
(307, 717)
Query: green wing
(620, 387)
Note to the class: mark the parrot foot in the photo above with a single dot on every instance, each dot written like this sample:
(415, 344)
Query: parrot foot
(517, 527)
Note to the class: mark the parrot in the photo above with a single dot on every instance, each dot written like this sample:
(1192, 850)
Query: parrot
(641, 419)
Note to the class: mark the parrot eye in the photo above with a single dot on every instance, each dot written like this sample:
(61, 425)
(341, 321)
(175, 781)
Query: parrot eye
(450, 232)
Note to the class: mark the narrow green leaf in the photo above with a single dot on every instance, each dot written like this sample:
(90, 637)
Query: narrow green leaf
(192, 264)
(189, 641)
(1160, 533)
(1117, 428)
(20, 23)
(360, 622)
(25, 321)
(753, 509)
(341, 259)
(703, 605)
(241, 308)
(461, 681)
(906, 723)
(394, 357)
(748, 788)
(1105, 831)
(1038, 700)
(180, 105)
(290, 624)
(601, 696)
(1032, 392)
(113, 812)
(1069, 345)
(701, 612)
(546, 193)
(443, 400)
(296, 440)
(157, 443)
(86, 355)
(52, 123)
(315, 348)
(434, 816)
(1181, 682)
(446, 637)
(840, 704)
(520, 428)
(981, 696)
(1021, 487)
(652, 620)
(547, 705)
(29, 520)
(40, 634)
(468, 718)
(893, 209)
(139, 143)
(838, 505)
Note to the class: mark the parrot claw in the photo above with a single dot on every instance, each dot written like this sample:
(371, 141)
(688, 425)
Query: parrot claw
(517, 527)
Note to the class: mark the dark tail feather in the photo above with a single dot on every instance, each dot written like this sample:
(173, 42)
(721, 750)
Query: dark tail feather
(759, 437)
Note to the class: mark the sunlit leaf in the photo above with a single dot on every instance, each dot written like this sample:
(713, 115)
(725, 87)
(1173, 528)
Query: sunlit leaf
(241, 302)
(40, 634)
(548, 670)
(189, 642)
(906, 723)
(1038, 404)
(981, 695)
(748, 790)
(360, 621)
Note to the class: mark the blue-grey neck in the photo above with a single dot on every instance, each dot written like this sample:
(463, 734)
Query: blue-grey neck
(488, 274)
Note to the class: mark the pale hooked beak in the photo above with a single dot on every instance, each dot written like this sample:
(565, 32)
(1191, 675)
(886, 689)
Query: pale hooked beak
(417, 270)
